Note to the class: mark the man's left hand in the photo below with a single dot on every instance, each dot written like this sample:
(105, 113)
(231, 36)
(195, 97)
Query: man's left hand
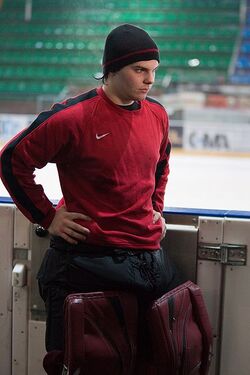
(157, 216)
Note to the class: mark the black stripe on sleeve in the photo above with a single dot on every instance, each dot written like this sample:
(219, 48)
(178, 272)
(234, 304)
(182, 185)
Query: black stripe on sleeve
(153, 101)
(168, 149)
(16, 189)
(162, 164)
(159, 170)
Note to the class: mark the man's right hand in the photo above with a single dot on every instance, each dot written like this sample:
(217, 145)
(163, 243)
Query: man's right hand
(64, 225)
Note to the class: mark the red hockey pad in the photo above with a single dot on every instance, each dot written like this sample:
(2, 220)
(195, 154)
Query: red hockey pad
(180, 332)
(100, 333)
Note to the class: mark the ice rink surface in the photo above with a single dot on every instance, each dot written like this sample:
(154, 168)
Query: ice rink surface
(213, 182)
(195, 181)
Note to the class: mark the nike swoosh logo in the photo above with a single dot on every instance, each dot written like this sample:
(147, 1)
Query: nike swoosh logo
(101, 136)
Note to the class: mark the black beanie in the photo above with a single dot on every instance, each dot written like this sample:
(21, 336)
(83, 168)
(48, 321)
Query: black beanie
(125, 45)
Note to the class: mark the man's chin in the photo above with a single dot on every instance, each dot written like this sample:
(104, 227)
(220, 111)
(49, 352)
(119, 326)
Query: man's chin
(141, 96)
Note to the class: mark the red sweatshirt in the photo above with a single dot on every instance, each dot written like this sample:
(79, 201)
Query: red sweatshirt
(112, 165)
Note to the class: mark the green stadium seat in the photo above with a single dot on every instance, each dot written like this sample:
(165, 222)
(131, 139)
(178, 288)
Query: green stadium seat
(63, 42)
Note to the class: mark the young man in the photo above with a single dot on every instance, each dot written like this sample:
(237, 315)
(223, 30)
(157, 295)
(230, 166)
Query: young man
(111, 148)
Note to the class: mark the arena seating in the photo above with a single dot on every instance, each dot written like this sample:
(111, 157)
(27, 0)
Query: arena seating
(62, 43)
(241, 74)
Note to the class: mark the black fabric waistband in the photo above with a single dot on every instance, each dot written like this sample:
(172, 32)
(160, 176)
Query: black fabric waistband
(59, 243)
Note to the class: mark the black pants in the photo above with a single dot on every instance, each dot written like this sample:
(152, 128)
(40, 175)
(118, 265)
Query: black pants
(83, 268)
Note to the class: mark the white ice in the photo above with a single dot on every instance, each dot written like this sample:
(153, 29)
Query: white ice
(204, 182)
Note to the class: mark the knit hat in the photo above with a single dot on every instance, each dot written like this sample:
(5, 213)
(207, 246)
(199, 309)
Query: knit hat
(125, 45)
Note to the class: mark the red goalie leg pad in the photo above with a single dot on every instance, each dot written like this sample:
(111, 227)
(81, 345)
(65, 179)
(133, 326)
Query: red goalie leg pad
(100, 333)
(145, 367)
(180, 332)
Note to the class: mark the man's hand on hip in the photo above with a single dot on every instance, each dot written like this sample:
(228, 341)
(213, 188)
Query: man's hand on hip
(157, 216)
(64, 225)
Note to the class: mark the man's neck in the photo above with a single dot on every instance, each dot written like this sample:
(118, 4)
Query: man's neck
(114, 98)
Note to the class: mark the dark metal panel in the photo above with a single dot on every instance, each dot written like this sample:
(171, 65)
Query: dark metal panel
(181, 244)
